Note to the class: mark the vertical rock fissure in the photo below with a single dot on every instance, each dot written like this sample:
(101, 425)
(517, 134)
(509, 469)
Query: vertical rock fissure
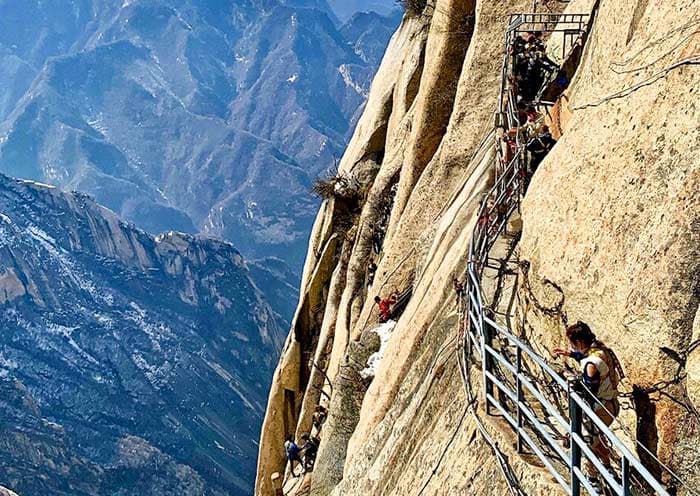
(376, 144)
(450, 37)
(350, 389)
(320, 384)
(414, 82)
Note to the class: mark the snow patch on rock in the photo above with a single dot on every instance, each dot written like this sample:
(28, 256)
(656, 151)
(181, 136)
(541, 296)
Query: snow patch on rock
(384, 332)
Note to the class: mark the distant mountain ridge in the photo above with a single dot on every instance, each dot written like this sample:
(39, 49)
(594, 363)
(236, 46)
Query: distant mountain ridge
(135, 363)
(191, 115)
(128, 364)
(345, 9)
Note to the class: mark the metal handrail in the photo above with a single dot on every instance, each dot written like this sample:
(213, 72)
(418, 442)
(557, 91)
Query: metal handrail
(494, 211)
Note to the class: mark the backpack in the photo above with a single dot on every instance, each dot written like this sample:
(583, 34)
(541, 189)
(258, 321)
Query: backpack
(615, 372)
(292, 449)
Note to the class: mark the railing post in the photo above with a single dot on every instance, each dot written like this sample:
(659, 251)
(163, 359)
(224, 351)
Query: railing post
(575, 416)
(486, 363)
(626, 486)
(519, 389)
(468, 324)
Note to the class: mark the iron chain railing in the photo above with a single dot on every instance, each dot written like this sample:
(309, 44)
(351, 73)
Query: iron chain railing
(510, 386)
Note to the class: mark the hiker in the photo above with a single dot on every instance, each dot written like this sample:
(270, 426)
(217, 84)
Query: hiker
(532, 123)
(538, 38)
(310, 449)
(459, 290)
(534, 41)
(600, 374)
(377, 239)
(531, 66)
(520, 109)
(512, 148)
(319, 417)
(507, 147)
(535, 121)
(292, 450)
(385, 306)
(512, 86)
(539, 147)
(531, 79)
(519, 53)
(371, 272)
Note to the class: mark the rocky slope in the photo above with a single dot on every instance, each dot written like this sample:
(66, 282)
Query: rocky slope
(188, 115)
(609, 236)
(128, 364)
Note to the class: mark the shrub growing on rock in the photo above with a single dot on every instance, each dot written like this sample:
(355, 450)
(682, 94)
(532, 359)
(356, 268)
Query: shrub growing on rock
(413, 7)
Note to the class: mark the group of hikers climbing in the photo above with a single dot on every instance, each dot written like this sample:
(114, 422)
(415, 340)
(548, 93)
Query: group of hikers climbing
(600, 370)
(530, 69)
(522, 132)
(305, 455)
(531, 65)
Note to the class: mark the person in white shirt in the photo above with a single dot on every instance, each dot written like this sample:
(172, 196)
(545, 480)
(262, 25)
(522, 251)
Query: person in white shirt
(600, 373)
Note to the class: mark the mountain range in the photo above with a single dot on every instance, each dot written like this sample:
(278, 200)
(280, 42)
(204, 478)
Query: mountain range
(199, 116)
(128, 364)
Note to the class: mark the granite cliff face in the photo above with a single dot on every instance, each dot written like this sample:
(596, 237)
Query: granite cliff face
(128, 364)
(188, 115)
(609, 236)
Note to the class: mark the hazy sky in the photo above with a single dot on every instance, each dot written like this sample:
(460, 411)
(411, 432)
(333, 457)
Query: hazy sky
(345, 8)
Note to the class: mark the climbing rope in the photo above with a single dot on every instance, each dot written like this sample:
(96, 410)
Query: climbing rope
(323, 372)
(692, 60)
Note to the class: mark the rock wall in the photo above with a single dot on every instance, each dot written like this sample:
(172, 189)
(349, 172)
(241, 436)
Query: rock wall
(612, 216)
(608, 219)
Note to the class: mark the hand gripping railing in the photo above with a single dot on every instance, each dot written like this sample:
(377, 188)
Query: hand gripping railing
(507, 366)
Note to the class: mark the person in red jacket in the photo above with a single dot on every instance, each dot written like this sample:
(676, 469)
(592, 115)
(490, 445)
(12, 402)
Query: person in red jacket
(385, 306)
